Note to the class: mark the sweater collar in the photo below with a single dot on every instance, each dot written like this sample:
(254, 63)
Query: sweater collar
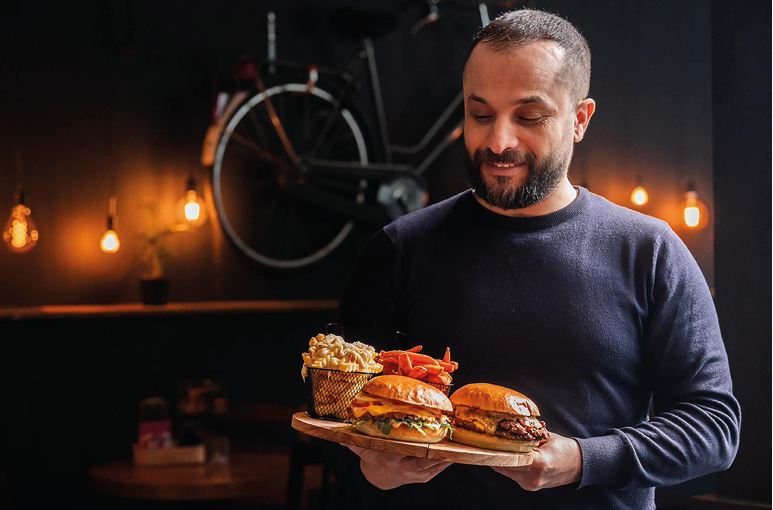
(523, 224)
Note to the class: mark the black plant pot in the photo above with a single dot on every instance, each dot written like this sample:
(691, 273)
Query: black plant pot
(155, 291)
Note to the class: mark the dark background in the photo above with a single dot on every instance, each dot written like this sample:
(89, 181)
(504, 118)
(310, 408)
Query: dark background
(682, 91)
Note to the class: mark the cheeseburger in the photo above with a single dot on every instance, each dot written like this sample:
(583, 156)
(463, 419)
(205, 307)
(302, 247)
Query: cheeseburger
(401, 408)
(497, 418)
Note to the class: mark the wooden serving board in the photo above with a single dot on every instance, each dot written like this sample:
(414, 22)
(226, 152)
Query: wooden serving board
(445, 450)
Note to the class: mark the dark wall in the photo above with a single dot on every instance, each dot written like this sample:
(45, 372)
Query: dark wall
(96, 92)
(742, 180)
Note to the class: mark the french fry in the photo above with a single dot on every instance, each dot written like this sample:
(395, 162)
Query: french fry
(421, 359)
(418, 372)
(405, 363)
(390, 354)
(412, 363)
(433, 369)
(448, 367)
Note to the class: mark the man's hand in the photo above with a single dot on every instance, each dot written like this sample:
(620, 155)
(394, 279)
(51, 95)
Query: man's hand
(557, 461)
(388, 470)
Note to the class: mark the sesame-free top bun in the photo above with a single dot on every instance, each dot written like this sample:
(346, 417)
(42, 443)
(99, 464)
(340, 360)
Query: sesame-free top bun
(408, 390)
(490, 397)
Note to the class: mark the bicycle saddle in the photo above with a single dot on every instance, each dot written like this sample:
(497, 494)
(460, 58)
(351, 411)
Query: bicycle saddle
(350, 22)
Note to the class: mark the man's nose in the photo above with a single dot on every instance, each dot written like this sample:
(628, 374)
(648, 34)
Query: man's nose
(502, 136)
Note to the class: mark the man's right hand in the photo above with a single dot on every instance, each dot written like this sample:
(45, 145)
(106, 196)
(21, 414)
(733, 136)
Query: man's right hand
(388, 470)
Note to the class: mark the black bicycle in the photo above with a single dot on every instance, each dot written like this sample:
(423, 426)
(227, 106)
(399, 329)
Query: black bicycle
(293, 164)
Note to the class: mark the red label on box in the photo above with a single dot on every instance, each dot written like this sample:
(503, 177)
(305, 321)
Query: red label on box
(155, 434)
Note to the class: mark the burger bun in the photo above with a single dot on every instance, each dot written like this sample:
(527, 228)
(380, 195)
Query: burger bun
(408, 391)
(403, 433)
(490, 397)
(490, 442)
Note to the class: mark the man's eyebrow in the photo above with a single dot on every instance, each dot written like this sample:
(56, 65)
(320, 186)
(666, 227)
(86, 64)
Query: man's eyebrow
(477, 99)
(517, 102)
(531, 99)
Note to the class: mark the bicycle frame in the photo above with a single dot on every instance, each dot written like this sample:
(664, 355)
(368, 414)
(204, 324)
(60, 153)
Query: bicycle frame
(296, 175)
(383, 176)
(451, 118)
(448, 114)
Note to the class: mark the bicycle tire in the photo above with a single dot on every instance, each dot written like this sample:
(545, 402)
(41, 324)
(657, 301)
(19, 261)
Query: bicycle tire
(278, 245)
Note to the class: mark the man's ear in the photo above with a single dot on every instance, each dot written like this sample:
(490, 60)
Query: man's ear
(583, 113)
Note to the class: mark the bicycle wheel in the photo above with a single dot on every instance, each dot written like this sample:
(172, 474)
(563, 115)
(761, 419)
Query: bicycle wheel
(258, 215)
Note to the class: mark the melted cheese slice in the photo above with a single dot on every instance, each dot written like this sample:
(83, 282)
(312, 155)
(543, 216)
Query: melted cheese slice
(482, 422)
(376, 406)
(487, 421)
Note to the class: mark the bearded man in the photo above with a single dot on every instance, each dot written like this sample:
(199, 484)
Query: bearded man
(596, 312)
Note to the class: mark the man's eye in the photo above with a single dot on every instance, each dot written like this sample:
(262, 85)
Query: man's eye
(482, 118)
(531, 120)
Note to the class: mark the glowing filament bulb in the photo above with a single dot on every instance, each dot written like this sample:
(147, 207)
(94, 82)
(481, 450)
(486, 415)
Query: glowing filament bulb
(192, 207)
(692, 216)
(695, 212)
(639, 196)
(110, 242)
(20, 233)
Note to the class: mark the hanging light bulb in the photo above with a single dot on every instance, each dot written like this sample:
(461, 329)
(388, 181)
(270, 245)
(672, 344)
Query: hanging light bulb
(192, 208)
(110, 242)
(639, 195)
(20, 233)
(694, 212)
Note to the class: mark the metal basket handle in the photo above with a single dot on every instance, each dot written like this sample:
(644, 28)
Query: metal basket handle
(334, 324)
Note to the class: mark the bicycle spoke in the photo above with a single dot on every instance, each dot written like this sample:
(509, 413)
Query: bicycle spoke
(267, 103)
(258, 128)
(257, 150)
(272, 227)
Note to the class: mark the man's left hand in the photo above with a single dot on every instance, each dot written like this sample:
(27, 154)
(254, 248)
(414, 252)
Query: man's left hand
(557, 461)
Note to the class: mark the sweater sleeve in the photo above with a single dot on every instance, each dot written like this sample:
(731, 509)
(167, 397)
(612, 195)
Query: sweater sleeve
(695, 425)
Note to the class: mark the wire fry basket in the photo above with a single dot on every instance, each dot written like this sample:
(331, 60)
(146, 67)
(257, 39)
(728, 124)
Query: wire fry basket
(445, 388)
(330, 392)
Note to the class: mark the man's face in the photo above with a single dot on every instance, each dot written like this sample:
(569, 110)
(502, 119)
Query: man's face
(519, 123)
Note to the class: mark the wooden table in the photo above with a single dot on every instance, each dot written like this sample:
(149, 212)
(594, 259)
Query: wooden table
(250, 476)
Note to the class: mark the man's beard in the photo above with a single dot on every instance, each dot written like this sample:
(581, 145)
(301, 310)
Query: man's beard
(541, 179)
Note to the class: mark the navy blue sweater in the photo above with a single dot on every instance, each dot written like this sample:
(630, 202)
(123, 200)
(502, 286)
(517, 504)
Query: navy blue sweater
(596, 312)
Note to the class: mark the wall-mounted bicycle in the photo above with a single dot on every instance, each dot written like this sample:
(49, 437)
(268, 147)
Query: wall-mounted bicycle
(294, 165)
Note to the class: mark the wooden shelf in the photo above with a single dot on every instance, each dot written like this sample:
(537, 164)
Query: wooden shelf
(139, 309)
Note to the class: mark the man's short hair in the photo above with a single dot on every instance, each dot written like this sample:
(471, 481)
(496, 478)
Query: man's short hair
(520, 27)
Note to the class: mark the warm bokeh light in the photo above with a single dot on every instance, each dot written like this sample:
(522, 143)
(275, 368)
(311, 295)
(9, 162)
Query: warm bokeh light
(694, 212)
(192, 209)
(639, 196)
(692, 216)
(20, 233)
(110, 242)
